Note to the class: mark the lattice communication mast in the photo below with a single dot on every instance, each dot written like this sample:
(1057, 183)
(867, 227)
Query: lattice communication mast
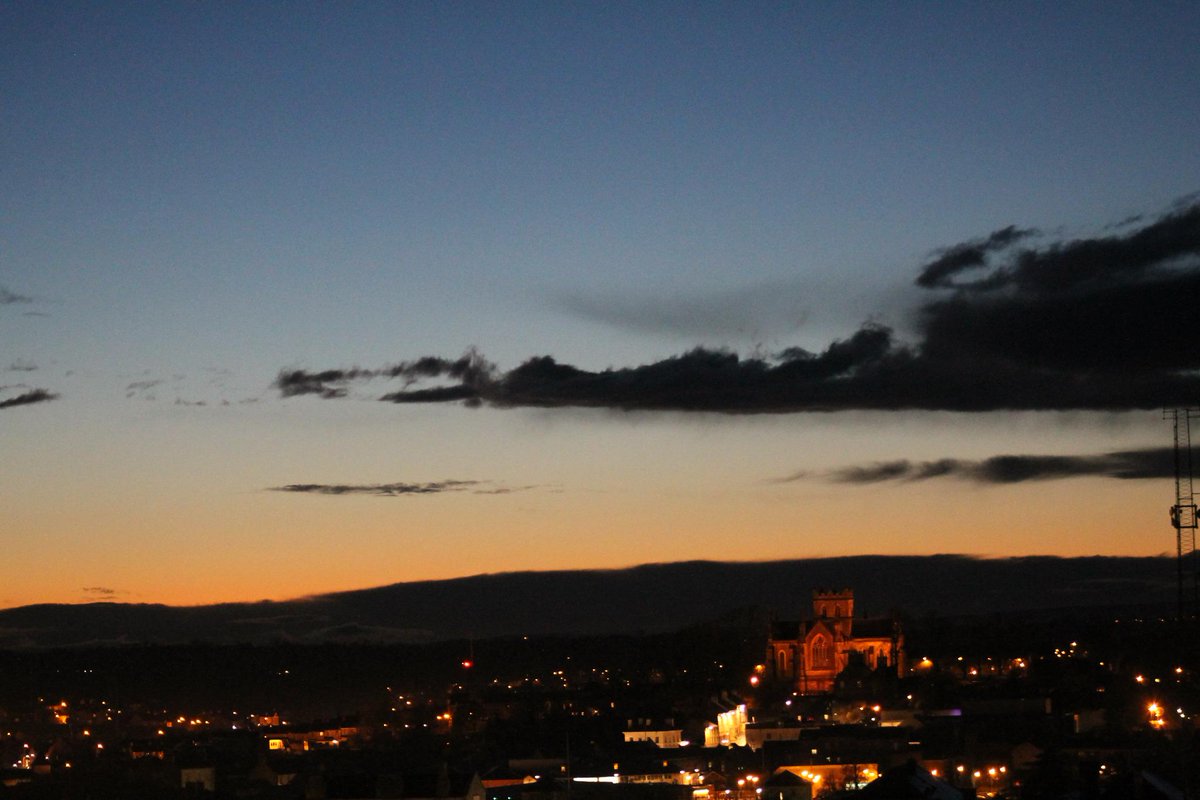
(1183, 513)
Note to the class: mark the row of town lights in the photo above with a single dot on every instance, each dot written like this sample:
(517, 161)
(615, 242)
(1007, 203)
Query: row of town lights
(992, 772)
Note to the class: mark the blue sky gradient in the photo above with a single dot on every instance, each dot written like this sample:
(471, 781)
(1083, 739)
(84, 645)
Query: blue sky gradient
(197, 196)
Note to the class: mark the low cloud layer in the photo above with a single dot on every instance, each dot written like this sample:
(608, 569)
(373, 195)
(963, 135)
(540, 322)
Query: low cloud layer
(28, 398)
(1121, 464)
(396, 489)
(1100, 323)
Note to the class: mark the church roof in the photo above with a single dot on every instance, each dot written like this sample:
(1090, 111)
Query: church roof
(909, 780)
(785, 778)
(879, 627)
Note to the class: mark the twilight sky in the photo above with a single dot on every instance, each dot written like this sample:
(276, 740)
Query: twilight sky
(305, 297)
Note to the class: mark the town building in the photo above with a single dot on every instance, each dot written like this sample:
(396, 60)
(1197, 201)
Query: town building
(809, 654)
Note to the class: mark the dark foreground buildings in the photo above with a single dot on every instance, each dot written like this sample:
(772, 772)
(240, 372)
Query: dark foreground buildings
(1081, 705)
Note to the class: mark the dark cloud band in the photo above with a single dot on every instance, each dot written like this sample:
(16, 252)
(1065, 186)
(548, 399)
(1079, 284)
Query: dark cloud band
(29, 398)
(1101, 323)
(1122, 464)
(378, 489)
(399, 489)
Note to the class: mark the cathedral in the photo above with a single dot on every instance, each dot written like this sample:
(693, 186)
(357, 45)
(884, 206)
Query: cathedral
(809, 654)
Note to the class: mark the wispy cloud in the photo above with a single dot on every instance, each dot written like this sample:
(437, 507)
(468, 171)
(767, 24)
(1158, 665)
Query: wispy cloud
(1121, 464)
(28, 398)
(953, 261)
(506, 489)
(1099, 323)
(398, 489)
(753, 311)
(21, 365)
(8, 298)
(143, 389)
(101, 593)
(333, 383)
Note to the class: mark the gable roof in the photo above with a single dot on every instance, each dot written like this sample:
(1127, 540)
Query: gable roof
(909, 780)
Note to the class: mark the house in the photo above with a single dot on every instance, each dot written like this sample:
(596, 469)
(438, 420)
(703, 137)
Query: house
(663, 735)
(786, 785)
(910, 780)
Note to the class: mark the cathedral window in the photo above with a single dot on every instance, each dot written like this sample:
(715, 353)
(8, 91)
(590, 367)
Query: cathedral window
(821, 654)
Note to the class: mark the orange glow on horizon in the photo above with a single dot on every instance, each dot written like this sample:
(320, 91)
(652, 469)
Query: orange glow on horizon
(654, 490)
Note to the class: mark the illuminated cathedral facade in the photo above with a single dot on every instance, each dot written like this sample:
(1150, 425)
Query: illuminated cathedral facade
(810, 654)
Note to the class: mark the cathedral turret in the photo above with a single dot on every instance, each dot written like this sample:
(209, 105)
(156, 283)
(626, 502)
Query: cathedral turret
(833, 604)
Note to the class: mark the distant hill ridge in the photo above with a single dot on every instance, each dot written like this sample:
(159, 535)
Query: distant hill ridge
(646, 598)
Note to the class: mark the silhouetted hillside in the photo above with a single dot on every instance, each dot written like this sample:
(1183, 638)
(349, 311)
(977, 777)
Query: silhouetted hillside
(648, 598)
